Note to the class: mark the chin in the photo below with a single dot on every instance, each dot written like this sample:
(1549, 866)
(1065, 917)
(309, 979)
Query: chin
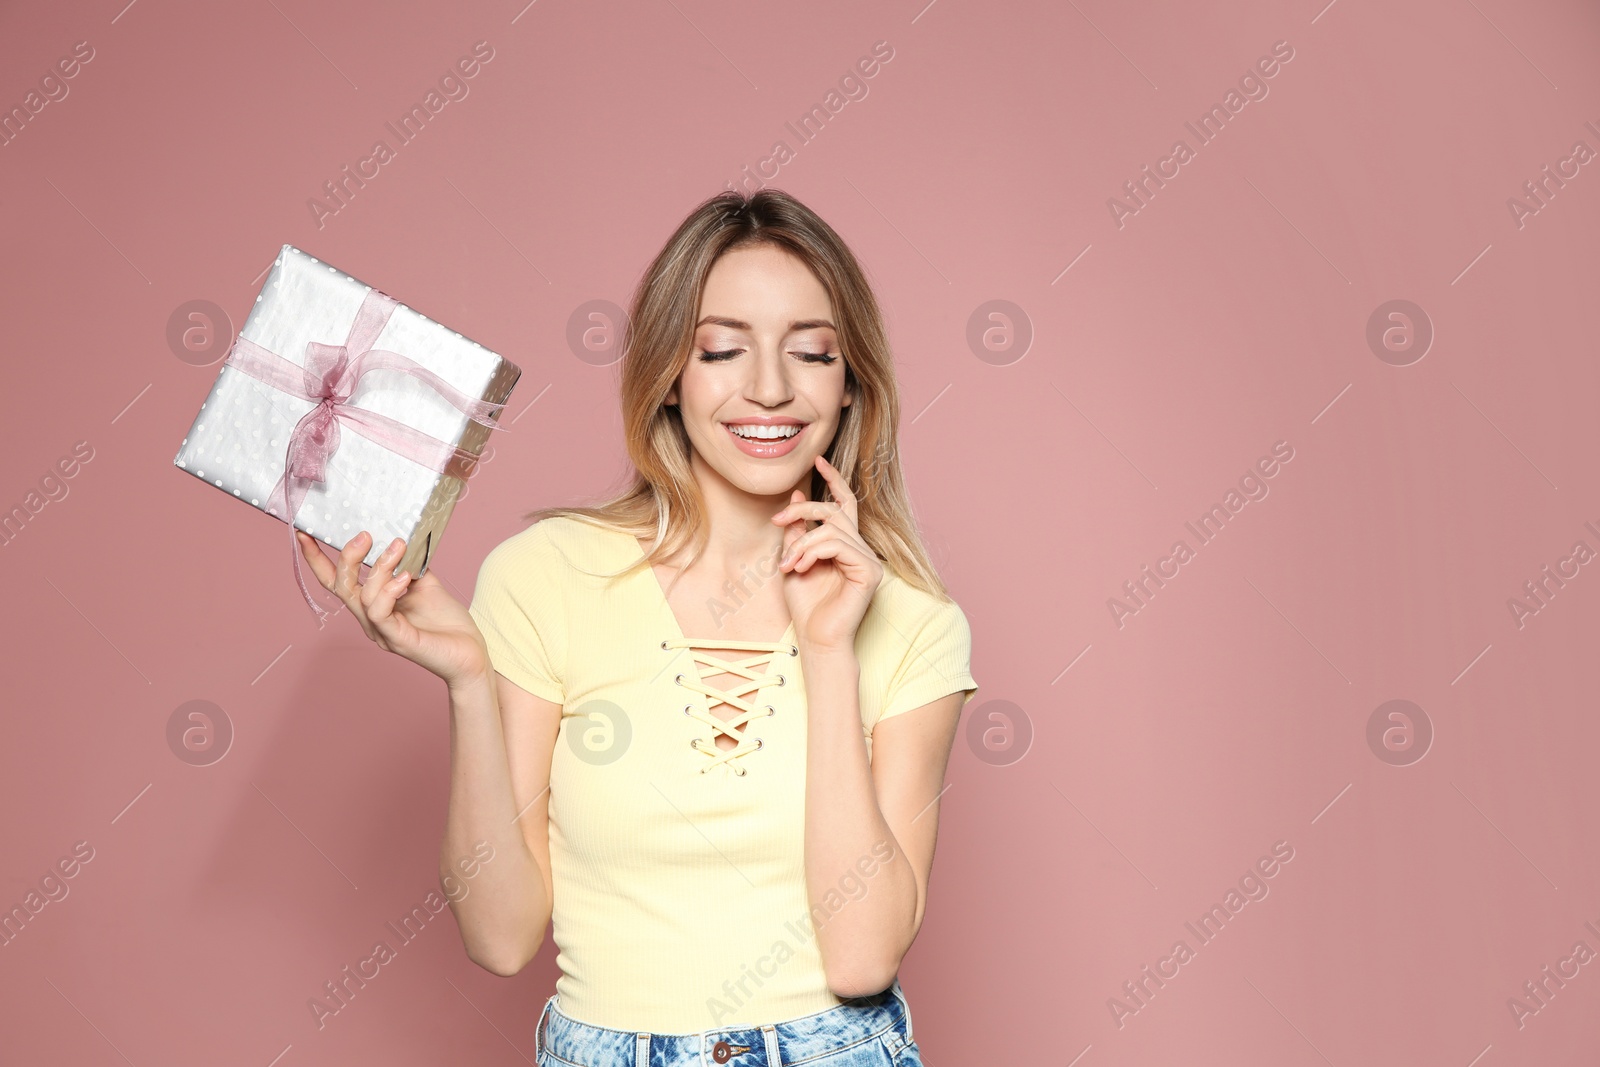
(762, 477)
(767, 481)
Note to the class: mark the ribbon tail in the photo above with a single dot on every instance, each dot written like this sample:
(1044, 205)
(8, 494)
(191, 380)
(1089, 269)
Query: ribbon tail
(321, 613)
(290, 493)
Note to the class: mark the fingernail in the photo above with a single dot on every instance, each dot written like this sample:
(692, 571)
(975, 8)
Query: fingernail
(393, 545)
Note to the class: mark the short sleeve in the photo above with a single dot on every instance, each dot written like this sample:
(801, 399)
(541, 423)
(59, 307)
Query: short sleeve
(519, 607)
(937, 662)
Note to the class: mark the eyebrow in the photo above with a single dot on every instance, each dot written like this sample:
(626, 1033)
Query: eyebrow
(797, 324)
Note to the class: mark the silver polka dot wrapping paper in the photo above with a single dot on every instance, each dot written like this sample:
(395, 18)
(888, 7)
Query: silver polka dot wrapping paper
(239, 440)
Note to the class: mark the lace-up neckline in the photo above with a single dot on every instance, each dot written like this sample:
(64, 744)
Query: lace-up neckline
(692, 679)
(753, 681)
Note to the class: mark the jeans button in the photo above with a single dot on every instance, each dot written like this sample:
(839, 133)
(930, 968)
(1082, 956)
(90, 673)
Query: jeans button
(721, 1052)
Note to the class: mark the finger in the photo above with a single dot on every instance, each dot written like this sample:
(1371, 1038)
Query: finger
(821, 510)
(839, 487)
(381, 608)
(845, 555)
(856, 566)
(321, 566)
(345, 580)
(828, 514)
(382, 573)
(795, 529)
(808, 541)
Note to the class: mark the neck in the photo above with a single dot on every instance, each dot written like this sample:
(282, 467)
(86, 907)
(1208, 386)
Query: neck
(740, 531)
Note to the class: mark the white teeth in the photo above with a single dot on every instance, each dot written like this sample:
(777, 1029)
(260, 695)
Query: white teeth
(765, 433)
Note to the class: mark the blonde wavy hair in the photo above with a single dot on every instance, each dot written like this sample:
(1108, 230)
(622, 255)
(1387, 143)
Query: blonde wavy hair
(663, 503)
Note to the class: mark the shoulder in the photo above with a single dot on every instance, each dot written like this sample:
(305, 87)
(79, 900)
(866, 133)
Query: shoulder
(914, 647)
(903, 601)
(555, 543)
(902, 613)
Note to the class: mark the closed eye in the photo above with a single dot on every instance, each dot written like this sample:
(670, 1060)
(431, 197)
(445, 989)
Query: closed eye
(809, 357)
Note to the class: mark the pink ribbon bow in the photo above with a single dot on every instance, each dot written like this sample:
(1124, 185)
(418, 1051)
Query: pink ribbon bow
(330, 377)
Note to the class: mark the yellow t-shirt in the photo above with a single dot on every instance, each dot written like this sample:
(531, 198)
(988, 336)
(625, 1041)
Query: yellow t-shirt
(680, 899)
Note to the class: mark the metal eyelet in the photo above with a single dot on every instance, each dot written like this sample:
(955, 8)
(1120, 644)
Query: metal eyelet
(782, 680)
(678, 680)
(664, 646)
(758, 745)
(739, 771)
(793, 651)
(694, 743)
(771, 711)
(688, 709)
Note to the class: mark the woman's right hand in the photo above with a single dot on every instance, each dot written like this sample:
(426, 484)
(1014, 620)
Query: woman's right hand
(417, 619)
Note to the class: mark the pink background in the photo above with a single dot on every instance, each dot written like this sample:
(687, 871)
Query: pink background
(1167, 755)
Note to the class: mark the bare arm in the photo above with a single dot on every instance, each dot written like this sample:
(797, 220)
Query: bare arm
(870, 826)
(501, 740)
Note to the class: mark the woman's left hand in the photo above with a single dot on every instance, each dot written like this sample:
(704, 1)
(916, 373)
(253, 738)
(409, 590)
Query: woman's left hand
(830, 573)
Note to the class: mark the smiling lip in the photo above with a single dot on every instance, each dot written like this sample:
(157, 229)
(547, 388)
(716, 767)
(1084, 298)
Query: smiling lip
(765, 449)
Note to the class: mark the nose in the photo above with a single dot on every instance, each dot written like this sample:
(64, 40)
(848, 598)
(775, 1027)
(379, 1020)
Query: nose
(769, 382)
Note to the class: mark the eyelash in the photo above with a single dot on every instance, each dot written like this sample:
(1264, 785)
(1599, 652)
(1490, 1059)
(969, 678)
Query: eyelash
(810, 357)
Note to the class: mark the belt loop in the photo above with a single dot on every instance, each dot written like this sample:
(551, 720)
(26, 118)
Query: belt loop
(770, 1032)
(641, 1051)
(538, 1029)
(904, 1006)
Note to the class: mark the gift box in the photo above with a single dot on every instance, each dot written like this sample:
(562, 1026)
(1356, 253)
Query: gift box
(339, 409)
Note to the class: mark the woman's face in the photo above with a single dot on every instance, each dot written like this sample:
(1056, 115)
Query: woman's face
(765, 361)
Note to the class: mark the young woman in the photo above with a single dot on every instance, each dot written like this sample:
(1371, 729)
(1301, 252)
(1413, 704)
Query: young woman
(705, 725)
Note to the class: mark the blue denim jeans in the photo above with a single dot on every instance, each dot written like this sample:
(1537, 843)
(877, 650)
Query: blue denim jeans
(870, 1031)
